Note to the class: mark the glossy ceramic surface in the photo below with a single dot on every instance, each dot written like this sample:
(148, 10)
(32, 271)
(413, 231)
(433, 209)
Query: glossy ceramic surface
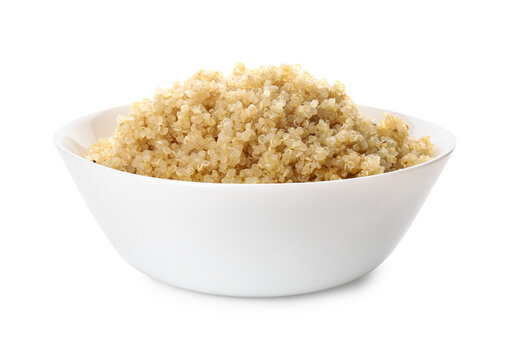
(251, 239)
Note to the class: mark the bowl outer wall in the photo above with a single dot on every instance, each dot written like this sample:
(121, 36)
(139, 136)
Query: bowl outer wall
(248, 240)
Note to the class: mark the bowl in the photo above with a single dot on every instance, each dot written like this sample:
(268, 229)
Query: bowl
(253, 240)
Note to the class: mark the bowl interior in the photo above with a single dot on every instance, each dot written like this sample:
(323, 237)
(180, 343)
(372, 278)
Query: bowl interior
(443, 140)
(80, 134)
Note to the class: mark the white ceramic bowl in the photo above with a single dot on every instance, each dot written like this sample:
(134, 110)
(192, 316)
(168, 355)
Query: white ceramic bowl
(251, 239)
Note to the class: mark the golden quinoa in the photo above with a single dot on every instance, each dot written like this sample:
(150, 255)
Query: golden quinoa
(265, 125)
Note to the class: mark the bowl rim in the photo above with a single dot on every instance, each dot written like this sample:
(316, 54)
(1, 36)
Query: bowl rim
(59, 135)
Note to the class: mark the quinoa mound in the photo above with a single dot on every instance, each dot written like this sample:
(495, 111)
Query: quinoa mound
(265, 125)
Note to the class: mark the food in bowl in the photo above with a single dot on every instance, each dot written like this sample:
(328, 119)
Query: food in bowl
(265, 125)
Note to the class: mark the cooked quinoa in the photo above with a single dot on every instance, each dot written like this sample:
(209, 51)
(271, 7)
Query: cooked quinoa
(265, 125)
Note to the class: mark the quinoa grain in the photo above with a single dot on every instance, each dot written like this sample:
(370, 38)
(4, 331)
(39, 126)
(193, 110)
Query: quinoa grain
(266, 125)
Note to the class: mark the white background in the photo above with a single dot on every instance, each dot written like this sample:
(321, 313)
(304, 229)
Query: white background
(449, 291)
